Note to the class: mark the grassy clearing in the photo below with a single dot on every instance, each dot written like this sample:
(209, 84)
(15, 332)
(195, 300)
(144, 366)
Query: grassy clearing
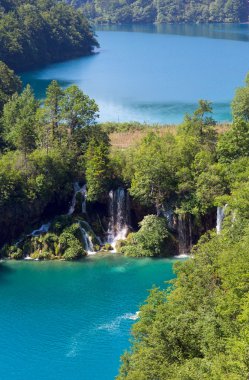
(125, 139)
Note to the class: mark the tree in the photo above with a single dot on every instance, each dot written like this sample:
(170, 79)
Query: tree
(234, 143)
(78, 111)
(54, 95)
(201, 125)
(150, 240)
(19, 121)
(36, 31)
(97, 169)
(9, 84)
(240, 103)
(154, 177)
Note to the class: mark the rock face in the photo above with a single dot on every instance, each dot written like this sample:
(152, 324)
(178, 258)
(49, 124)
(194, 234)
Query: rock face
(184, 231)
(189, 229)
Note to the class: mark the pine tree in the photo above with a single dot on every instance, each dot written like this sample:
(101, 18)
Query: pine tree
(19, 121)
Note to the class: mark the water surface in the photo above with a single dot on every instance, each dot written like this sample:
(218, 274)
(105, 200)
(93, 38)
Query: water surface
(71, 321)
(157, 73)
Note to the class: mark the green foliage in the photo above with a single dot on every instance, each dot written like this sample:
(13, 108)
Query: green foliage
(50, 116)
(240, 104)
(150, 240)
(97, 168)
(111, 127)
(198, 330)
(18, 120)
(235, 143)
(45, 150)
(77, 109)
(164, 11)
(42, 31)
(154, 170)
(9, 84)
(211, 184)
(63, 241)
(13, 252)
(28, 187)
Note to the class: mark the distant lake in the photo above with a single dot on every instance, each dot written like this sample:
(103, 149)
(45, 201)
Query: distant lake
(157, 73)
(71, 321)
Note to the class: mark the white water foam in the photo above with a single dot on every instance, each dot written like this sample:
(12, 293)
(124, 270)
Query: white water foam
(115, 324)
(74, 346)
(182, 256)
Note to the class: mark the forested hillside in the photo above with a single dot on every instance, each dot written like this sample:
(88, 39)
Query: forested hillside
(160, 11)
(199, 329)
(36, 32)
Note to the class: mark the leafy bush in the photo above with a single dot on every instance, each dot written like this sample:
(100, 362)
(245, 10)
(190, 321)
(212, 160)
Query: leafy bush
(15, 253)
(150, 240)
(42, 255)
(74, 251)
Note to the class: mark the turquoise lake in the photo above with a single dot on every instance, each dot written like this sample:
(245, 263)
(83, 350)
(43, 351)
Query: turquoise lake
(71, 321)
(157, 73)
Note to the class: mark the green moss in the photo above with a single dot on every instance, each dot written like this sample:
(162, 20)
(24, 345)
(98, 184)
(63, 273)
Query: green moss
(42, 255)
(15, 253)
(107, 247)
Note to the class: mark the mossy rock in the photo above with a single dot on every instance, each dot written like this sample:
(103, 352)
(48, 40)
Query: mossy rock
(12, 252)
(42, 255)
(107, 247)
(15, 253)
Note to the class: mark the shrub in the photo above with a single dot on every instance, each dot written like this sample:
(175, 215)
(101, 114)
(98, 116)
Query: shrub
(15, 253)
(75, 251)
(150, 240)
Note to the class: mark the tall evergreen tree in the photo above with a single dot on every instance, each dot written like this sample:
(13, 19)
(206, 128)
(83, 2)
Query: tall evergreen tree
(19, 121)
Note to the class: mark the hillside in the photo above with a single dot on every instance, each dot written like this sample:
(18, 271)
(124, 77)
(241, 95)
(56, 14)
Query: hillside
(34, 33)
(164, 11)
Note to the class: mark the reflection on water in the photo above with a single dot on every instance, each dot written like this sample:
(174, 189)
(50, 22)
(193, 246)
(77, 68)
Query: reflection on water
(236, 32)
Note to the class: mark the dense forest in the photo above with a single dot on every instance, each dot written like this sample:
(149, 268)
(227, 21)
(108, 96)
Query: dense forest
(198, 328)
(186, 172)
(165, 11)
(37, 32)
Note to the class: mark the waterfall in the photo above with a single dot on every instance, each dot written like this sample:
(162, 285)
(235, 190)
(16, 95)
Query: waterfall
(42, 230)
(88, 235)
(83, 192)
(119, 214)
(87, 241)
(220, 218)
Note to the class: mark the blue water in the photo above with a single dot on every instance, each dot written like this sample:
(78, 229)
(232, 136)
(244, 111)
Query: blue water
(71, 321)
(157, 74)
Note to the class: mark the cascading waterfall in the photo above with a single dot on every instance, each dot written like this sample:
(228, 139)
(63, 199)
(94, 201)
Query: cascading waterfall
(87, 241)
(77, 189)
(220, 218)
(83, 192)
(88, 235)
(119, 213)
(42, 230)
